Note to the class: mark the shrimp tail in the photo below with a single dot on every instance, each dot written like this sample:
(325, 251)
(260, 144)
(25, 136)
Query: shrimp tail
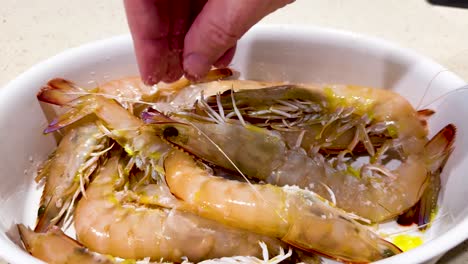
(438, 149)
(47, 211)
(56, 247)
(86, 108)
(65, 93)
(59, 92)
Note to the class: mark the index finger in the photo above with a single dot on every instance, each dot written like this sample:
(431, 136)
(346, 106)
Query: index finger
(158, 28)
(149, 25)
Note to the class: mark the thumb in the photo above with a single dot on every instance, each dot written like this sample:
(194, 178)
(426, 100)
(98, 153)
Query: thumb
(218, 27)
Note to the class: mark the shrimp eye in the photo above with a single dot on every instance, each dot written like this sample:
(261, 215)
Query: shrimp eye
(170, 132)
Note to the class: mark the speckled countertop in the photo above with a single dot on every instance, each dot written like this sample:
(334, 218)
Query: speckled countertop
(33, 30)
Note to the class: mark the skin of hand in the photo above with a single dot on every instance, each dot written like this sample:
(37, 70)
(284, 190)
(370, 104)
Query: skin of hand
(177, 37)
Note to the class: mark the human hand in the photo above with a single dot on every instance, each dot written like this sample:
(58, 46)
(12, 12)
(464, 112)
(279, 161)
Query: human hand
(176, 37)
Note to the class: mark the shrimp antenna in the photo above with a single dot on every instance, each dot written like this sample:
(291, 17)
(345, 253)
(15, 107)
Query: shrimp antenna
(234, 165)
(428, 87)
(463, 88)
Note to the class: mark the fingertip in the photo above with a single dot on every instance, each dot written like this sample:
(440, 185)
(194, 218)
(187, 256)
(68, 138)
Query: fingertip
(173, 76)
(149, 80)
(152, 58)
(196, 66)
(151, 73)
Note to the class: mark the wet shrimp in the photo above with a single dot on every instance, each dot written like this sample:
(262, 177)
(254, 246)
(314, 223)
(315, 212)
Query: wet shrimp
(69, 168)
(127, 129)
(106, 224)
(298, 217)
(291, 130)
(67, 172)
(54, 246)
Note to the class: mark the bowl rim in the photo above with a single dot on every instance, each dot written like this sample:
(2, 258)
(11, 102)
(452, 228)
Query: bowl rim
(429, 250)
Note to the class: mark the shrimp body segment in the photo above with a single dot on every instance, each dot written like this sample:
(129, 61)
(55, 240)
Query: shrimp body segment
(298, 217)
(105, 223)
(312, 137)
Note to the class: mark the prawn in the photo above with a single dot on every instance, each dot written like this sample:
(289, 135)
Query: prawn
(106, 223)
(68, 170)
(54, 246)
(300, 218)
(128, 130)
(285, 127)
(70, 167)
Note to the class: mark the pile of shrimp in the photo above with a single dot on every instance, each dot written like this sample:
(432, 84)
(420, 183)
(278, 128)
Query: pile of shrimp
(232, 171)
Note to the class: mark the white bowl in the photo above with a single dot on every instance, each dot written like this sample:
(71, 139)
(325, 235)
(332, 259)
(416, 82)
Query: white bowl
(297, 54)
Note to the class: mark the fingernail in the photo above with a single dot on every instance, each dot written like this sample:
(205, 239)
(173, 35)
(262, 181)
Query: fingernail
(196, 66)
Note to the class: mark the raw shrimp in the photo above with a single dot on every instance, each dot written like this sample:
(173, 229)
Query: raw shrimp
(54, 246)
(67, 172)
(70, 166)
(126, 129)
(298, 217)
(285, 129)
(78, 152)
(127, 91)
(106, 224)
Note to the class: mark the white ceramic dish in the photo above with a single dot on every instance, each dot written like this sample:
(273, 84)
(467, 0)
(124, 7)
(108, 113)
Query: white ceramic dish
(297, 54)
